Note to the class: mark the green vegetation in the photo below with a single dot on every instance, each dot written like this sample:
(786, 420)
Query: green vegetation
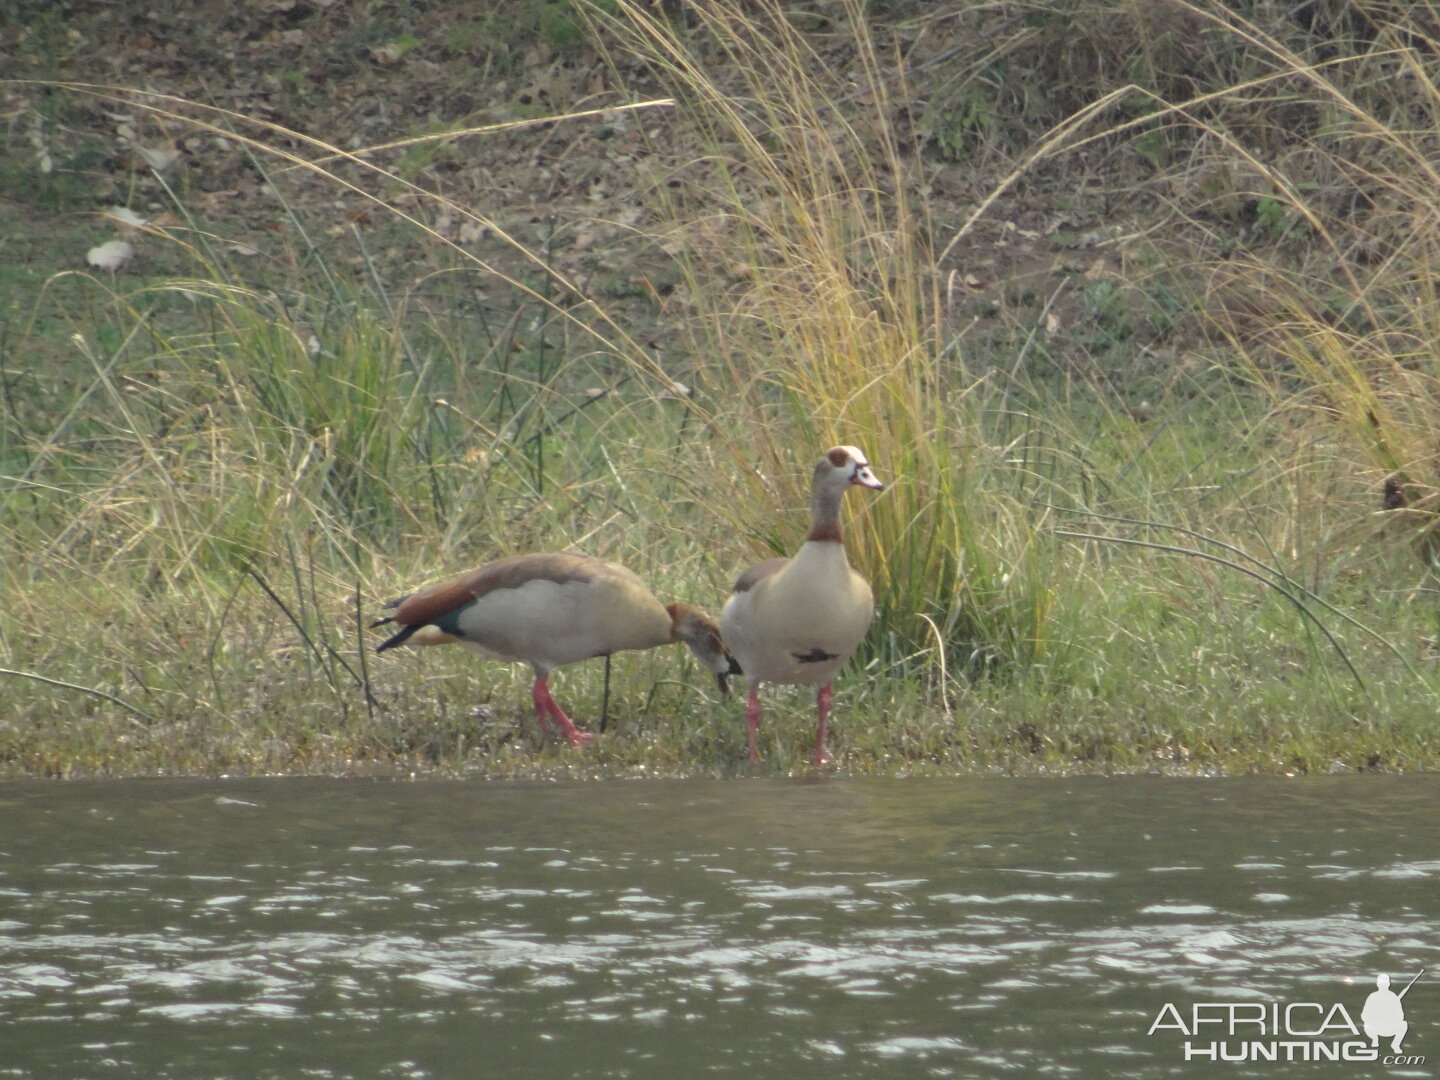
(1134, 307)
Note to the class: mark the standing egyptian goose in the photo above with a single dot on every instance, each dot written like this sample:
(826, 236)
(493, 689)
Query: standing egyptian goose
(798, 620)
(550, 610)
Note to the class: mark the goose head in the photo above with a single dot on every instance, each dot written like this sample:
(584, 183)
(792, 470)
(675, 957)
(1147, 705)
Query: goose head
(702, 637)
(843, 466)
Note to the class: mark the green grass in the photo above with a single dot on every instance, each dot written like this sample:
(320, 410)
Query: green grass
(225, 465)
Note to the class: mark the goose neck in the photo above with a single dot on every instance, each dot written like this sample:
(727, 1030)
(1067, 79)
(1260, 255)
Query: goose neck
(825, 515)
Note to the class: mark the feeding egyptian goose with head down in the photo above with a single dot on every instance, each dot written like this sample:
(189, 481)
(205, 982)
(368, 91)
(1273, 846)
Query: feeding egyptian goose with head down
(798, 620)
(550, 610)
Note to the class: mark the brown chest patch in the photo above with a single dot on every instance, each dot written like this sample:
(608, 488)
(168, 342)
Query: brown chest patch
(815, 656)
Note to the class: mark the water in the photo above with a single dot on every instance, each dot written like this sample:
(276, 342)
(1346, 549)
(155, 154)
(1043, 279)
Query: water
(836, 928)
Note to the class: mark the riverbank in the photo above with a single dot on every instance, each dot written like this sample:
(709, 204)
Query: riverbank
(1136, 365)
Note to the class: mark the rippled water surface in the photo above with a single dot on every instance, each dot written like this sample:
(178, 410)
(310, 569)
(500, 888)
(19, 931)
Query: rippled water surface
(964, 928)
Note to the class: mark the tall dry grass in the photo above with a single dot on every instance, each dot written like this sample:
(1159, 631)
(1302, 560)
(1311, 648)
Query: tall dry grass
(1336, 316)
(817, 321)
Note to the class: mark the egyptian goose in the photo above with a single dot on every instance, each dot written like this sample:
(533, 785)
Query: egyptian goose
(549, 610)
(798, 620)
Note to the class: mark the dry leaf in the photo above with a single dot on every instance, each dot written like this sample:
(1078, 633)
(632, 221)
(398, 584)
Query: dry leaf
(125, 216)
(158, 158)
(111, 256)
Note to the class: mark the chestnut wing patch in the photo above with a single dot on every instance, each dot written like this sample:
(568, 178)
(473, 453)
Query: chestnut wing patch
(437, 601)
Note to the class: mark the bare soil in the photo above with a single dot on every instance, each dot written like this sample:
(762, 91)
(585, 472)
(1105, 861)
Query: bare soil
(1060, 249)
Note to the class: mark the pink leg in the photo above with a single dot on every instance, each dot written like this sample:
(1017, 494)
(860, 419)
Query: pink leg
(822, 706)
(547, 710)
(543, 701)
(752, 719)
